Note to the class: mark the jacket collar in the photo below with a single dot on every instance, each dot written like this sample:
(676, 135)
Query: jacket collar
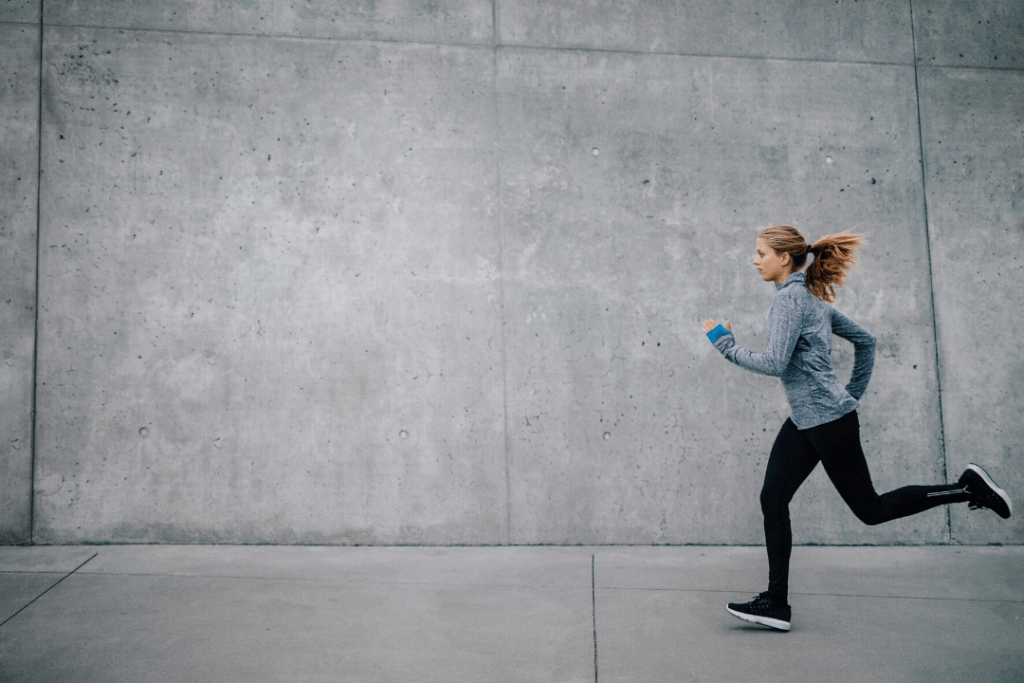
(795, 277)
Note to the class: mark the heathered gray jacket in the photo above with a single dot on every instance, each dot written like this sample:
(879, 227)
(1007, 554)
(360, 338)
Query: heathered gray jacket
(800, 329)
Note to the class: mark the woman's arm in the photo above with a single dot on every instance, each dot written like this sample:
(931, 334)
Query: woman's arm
(783, 332)
(863, 352)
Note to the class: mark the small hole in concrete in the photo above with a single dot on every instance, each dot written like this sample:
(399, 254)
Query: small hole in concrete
(607, 435)
(828, 160)
(403, 434)
(143, 432)
(595, 151)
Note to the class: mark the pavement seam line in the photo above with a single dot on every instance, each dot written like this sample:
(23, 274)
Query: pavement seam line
(345, 582)
(817, 595)
(30, 602)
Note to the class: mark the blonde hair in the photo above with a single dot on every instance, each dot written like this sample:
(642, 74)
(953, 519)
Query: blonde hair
(834, 256)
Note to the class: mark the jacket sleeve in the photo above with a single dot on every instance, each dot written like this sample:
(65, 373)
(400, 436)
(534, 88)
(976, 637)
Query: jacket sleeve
(784, 323)
(863, 352)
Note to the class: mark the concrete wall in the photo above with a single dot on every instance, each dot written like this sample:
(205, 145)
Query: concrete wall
(19, 150)
(406, 272)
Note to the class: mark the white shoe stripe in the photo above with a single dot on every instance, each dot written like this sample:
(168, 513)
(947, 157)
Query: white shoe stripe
(936, 494)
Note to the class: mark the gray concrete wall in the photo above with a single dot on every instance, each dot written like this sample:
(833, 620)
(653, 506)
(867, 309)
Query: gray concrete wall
(19, 150)
(434, 272)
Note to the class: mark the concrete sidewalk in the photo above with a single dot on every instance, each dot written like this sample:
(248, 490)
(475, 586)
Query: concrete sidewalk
(278, 613)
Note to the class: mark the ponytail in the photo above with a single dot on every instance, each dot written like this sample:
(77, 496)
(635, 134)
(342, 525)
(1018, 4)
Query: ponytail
(834, 256)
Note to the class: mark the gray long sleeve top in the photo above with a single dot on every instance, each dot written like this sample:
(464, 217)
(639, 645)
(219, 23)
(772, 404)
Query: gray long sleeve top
(800, 329)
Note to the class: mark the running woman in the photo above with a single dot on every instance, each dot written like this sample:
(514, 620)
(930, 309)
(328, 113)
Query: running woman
(823, 426)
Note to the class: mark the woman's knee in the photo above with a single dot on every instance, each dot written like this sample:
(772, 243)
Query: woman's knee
(772, 504)
(869, 514)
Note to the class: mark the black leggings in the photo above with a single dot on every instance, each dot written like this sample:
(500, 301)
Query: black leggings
(837, 445)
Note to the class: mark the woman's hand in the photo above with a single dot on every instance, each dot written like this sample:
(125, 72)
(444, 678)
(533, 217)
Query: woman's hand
(711, 324)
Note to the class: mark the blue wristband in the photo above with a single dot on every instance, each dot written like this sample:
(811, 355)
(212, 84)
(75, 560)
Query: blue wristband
(715, 334)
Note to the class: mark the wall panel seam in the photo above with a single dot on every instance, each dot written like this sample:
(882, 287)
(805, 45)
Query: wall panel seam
(501, 295)
(35, 330)
(483, 45)
(931, 272)
(495, 44)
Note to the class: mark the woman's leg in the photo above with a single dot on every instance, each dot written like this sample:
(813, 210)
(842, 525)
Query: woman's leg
(792, 459)
(838, 445)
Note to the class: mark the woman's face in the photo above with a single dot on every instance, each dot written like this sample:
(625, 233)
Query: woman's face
(771, 266)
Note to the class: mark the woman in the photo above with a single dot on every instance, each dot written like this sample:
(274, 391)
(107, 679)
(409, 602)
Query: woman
(823, 427)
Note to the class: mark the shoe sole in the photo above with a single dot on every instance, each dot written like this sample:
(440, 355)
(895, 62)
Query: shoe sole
(764, 621)
(992, 485)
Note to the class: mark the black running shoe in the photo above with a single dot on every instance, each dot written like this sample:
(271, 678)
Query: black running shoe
(762, 610)
(984, 492)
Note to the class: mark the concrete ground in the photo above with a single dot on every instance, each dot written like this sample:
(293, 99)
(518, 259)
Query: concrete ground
(607, 613)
